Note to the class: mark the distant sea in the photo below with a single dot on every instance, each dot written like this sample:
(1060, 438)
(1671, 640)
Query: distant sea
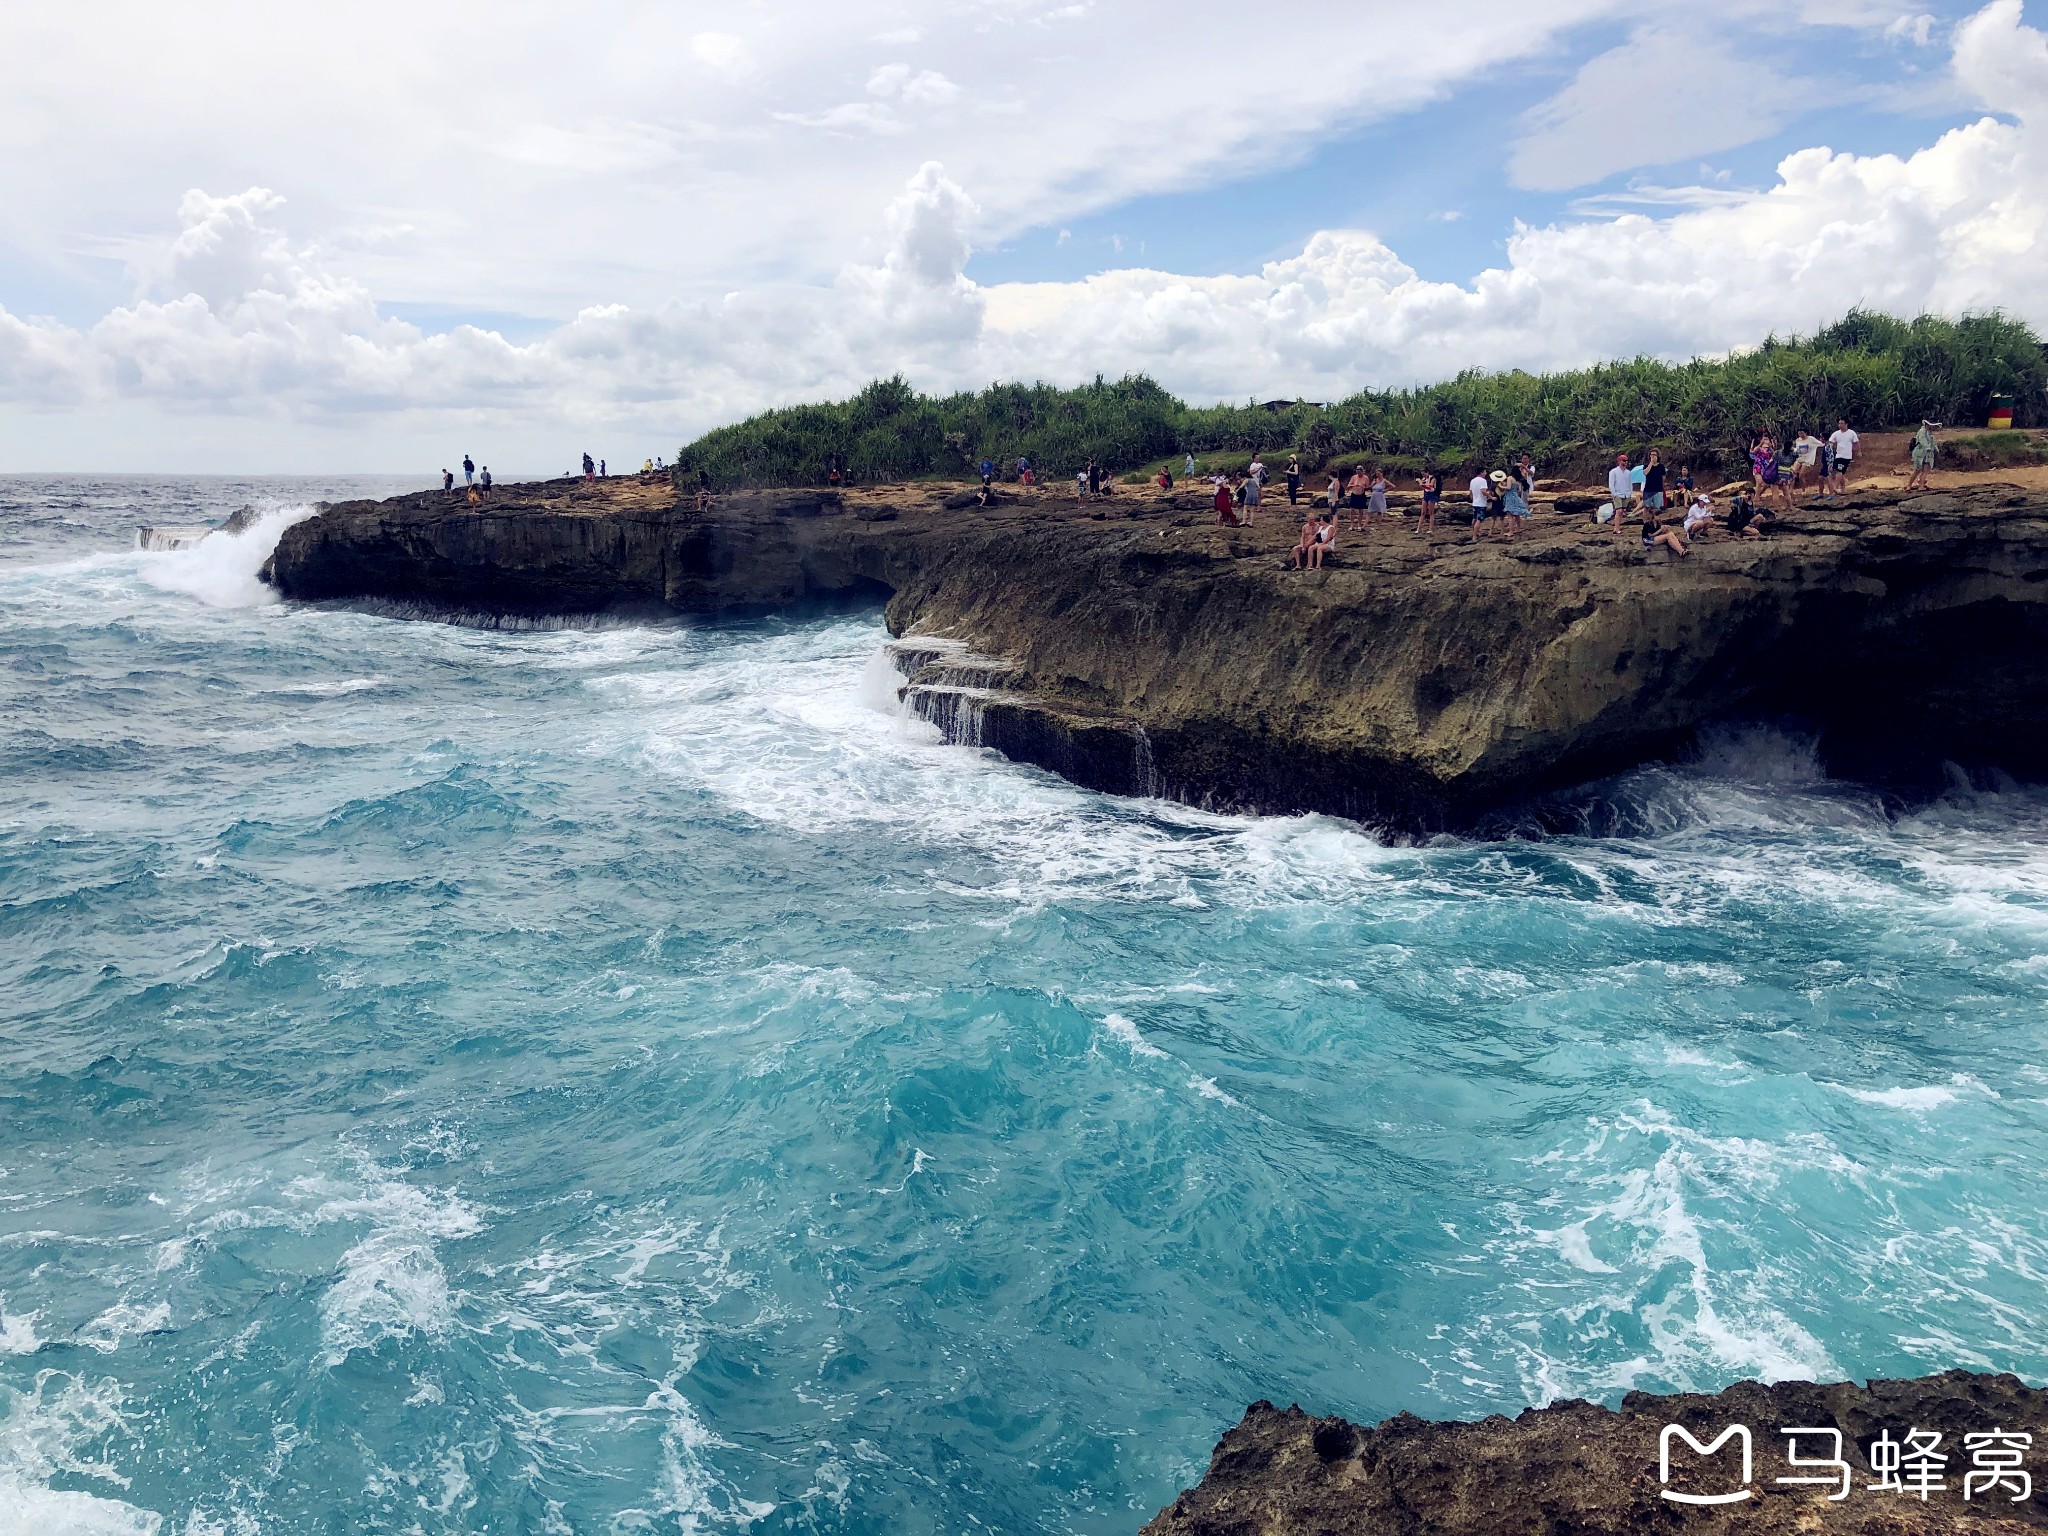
(626, 1079)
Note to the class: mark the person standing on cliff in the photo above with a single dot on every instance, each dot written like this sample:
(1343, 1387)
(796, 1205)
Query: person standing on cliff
(600, 471)
(1189, 471)
(1514, 504)
(1254, 484)
(447, 482)
(1653, 483)
(1806, 453)
(484, 480)
(1431, 489)
(1226, 514)
(589, 468)
(468, 470)
(1842, 451)
(1482, 502)
(1293, 478)
(1923, 456)
(1621, 487)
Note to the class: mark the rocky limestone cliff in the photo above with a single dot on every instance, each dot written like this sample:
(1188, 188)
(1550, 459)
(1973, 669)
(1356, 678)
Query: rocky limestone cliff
(1423, 682)
(1576, 1469)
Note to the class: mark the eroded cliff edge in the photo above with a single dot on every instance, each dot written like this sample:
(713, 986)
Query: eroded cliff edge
(1590, 1471)
(1422, 683)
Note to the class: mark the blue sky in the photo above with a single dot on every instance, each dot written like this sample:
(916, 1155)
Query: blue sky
(1434, 182)
(257, 241)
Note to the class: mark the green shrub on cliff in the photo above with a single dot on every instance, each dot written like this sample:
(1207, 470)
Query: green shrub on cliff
(1878, 371)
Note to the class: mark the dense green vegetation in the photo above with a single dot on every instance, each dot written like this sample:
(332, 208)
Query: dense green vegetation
(1878, 371)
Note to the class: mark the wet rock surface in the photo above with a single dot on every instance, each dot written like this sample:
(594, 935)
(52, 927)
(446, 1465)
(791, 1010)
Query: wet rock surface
(1590, 1471)
(1423, 682)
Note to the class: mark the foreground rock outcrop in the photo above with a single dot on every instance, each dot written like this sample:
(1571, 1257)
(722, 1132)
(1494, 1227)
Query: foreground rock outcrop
(1576, 1469)
(1421, 683)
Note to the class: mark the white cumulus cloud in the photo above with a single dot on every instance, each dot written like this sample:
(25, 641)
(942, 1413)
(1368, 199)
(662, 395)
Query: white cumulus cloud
(233, 315)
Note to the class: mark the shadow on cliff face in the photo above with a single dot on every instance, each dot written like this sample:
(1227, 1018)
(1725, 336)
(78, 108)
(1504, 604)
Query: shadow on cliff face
(1756, 775)
(867, 599)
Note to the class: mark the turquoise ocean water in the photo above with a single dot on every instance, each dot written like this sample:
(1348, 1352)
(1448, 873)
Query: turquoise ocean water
(625, 1079)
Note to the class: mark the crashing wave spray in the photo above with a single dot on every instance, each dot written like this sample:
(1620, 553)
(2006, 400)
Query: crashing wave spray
(220, 567)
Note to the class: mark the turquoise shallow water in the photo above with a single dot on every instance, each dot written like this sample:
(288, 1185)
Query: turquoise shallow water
(624, 1080)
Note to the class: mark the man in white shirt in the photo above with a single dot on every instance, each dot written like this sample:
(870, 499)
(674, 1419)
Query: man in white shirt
(1621, 485)
(1841, 451)
(1482, 499)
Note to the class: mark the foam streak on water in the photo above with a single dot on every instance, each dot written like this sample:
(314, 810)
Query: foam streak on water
(631, 1079)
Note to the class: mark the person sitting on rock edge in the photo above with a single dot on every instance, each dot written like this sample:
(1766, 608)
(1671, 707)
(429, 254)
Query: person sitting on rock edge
(1655, 533)
(1306, 543)
(1326, 539)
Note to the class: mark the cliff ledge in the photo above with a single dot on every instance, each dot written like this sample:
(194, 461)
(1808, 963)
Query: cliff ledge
(1575, 1469)
(1423, 682)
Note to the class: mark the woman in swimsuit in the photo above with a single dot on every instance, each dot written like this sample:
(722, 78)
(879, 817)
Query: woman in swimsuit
(1326, 540)
(1430, 492)
(1307, 543)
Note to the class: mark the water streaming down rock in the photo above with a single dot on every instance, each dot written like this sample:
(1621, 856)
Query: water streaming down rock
(972, 700)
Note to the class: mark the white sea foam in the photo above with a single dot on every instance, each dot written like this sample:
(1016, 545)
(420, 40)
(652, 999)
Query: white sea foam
(334, 689)
(1919, 1100)
(121, 1321)
(1647, 1199)
(220, 571)
(1126, 1033)
(43, 1435)
(391, 1282)
(18, 1331)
